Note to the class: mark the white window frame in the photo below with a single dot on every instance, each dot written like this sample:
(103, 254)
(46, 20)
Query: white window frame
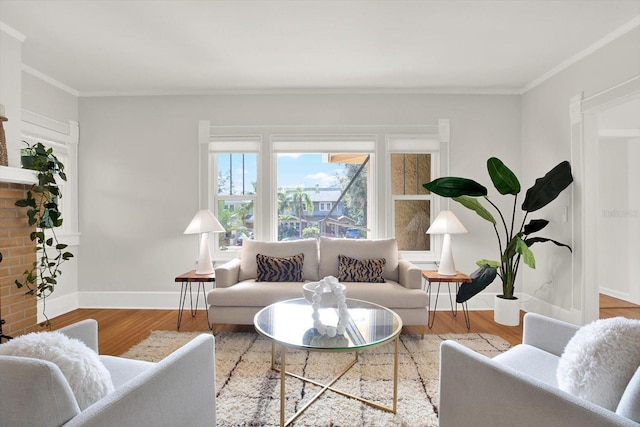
(416, 144)
(379, 141)
(63, 137)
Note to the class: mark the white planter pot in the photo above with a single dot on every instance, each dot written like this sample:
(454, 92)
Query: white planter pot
(506, 311)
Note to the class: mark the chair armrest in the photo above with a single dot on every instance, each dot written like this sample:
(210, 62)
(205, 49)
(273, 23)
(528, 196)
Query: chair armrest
(85, 331)
(34, 392)
(476, 390)
(228, 274)
(409, 275)
(545, 333)
(179, 390)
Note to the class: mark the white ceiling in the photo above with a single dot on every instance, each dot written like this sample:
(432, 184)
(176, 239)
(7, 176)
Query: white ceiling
(101, 47)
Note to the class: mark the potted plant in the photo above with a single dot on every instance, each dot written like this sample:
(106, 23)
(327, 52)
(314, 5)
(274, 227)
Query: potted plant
(43, 211)
(513, 242)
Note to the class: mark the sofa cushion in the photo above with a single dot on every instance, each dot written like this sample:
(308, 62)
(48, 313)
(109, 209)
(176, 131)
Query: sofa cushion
(360, 270)
(284, 269)
(250, 293)
(251, 248)
(88, 378)
(600, 360)
(330, 248)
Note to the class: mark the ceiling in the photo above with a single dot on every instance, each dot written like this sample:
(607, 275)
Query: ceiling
(108, 47)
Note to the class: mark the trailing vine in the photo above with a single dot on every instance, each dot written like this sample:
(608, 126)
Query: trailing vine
(43, 211)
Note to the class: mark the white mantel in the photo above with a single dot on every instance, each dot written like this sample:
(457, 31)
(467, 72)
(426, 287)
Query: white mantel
(17, 175)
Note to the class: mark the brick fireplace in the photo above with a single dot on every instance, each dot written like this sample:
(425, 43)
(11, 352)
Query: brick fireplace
(19, 311)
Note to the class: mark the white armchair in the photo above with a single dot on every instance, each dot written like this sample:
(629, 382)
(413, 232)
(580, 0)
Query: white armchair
(179, 390)
(519, 387)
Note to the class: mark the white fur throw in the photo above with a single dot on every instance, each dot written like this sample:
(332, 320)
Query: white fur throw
(90, 381)
(600, 359)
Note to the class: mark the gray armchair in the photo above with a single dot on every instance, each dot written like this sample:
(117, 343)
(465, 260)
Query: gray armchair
(519, 387)
(179, 390)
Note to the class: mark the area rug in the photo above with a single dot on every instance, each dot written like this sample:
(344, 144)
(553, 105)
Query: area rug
(248, 391)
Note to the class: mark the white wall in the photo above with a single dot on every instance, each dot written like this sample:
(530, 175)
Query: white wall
(54, 109)
(614, 222)
(139, 174)
(546, 140)
(43, 98)
(10, 88)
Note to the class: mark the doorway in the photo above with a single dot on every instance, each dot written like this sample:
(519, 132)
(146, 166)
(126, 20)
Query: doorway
(605, 133)
(619, 200)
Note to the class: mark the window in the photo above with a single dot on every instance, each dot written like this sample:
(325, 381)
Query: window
(321, 194)
(411, 201)
(236, 183)
(292, 182)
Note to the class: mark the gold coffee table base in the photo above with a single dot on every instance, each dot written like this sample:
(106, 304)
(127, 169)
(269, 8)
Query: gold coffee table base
(283, 374)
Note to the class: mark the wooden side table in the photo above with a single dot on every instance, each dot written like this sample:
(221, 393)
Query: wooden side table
(432, 276)
(186, 279)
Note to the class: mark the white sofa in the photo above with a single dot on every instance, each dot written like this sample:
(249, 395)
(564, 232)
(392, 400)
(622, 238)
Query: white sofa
(519, 386)
(237, 296)
(179, 390)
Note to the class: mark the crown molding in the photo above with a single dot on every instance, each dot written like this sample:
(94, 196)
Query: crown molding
(619, 32)
(12, 32)
(48, 79)
(315, 91)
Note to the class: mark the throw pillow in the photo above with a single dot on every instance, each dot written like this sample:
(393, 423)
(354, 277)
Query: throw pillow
(599, 361)
(360, 270)
(285, 269)
(88, 378)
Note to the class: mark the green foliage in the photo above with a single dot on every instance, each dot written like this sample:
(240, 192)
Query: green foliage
(514, 244)
(43, 212)
(310, 232)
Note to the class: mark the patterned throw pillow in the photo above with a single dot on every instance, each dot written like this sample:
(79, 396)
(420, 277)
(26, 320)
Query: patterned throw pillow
(286, 269)
(360, 270)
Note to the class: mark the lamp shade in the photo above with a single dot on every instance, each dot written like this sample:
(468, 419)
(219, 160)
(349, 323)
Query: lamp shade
(203, 222)
(446, 223)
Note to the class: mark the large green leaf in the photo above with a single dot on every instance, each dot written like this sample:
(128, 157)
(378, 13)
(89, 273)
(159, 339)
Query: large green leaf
(490, 263)
(527, 254)
(533, 240)
(474, 204)
(452, 186)
(547, 188)
(480, 279)
(502, 177)
(534, 226)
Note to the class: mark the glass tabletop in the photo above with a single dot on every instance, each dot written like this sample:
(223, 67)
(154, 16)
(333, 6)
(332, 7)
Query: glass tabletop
(290, 323)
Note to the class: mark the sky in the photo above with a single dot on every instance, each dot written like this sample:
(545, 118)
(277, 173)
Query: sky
(294, 170)
(306, 170)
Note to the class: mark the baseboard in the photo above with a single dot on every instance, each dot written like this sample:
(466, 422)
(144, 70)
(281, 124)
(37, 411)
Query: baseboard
(535, 305)
(57, 306)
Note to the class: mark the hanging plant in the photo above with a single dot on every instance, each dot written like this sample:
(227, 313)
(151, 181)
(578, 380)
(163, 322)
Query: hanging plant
(43, 212)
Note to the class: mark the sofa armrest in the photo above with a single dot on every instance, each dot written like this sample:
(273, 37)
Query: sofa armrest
(228, 274)
(476, 390)
(179, 390)
(545, 333)
(85, 331)
(409, 275)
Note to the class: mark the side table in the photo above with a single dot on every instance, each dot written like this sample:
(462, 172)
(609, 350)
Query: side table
(186, 279)
(432, 276)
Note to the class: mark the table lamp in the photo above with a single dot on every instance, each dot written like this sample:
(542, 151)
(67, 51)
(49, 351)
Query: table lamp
(446, 223)
(204, 222)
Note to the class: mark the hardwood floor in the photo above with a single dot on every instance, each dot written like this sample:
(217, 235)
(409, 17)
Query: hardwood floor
(121, 329)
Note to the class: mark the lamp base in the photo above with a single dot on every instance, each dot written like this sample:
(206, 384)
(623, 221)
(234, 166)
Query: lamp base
(205, 266)
(447, 267)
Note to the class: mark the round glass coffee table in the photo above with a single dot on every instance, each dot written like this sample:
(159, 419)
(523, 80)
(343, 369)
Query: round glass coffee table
(289, 324)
